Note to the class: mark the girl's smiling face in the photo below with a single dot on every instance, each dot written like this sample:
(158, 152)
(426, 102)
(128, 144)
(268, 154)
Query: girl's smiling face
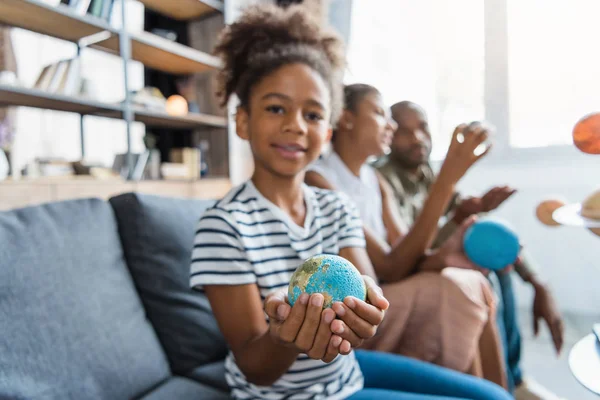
(286, 120)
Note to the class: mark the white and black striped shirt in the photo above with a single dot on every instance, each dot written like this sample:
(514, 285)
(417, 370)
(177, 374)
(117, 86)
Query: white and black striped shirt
(246, 239)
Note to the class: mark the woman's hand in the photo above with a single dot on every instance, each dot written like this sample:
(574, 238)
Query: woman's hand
(451, 253)
(304, 327)
(461, 153)
(358, 320)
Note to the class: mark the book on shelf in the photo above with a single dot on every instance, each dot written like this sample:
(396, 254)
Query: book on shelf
(48, 167)
(60, 72)
(174, 171)
(150, 98)
(190, 157)
(98, 8)
(107, 9)
(63, 77)
(43, 80)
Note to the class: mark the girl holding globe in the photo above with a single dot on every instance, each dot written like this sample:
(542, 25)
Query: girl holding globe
(285, 70)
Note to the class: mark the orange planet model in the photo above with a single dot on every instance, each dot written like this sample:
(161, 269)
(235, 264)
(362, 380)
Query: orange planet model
(586, 134)
(177, 105)
(544, 211)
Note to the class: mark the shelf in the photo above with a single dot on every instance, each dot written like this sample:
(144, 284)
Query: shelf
(25, 97)
(184, 9)
(59, 21)
(191, 121)
(19, 96)
(164, 55)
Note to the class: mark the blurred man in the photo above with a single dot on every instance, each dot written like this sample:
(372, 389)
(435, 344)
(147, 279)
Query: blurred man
(408, 171)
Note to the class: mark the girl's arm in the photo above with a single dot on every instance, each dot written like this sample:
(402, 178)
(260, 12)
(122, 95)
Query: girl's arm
(387, 263)
(263, 350)
(404, 257)
(391, 218)
(313, 178)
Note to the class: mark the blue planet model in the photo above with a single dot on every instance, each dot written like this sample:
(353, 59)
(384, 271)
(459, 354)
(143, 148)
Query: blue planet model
(334, 277)
(491, 244)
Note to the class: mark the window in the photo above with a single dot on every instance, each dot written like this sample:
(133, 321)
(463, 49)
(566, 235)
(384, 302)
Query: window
(554, 64)
(430, 52)
(542, 71)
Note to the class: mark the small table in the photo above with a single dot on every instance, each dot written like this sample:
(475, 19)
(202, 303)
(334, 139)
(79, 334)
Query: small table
(584, 361)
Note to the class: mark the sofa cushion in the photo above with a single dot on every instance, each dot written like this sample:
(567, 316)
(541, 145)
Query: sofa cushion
(72, 324)
(178, 388)
(158, 235)
(212, 374)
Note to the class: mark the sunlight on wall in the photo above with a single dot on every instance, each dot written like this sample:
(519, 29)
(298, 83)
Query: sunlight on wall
(434, 58)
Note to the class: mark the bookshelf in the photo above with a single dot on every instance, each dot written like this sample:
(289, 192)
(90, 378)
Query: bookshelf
(60, 22)
(153, 51)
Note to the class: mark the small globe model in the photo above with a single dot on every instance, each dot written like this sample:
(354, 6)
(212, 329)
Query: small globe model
(334, 277)
(491, 244)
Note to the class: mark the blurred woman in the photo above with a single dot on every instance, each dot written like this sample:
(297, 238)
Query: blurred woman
(442, 308)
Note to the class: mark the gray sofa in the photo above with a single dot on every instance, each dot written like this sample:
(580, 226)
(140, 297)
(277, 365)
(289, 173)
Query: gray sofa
(95, 304)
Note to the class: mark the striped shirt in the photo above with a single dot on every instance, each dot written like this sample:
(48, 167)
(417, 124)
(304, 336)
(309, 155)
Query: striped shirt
(246, 239)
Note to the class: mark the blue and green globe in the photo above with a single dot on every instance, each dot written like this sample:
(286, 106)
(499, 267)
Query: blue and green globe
(334, 277)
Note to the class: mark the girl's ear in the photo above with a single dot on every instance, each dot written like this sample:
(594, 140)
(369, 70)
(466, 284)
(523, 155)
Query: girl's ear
(241, 123)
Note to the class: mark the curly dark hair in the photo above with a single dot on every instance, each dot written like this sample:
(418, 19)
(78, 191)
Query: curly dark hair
(267, 37)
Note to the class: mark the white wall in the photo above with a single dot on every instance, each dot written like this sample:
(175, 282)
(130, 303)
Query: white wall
(569, 258)
(241, 164)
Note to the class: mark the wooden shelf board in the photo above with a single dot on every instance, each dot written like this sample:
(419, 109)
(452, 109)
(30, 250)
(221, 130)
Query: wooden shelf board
(153, 118)
(19, 96)
(25, 97)
(59, 21)
(164, 55)
(184, 9)
(27, 191)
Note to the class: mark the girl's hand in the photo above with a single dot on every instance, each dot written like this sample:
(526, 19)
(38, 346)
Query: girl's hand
(358, 319)
(304, 327)
(461, 154)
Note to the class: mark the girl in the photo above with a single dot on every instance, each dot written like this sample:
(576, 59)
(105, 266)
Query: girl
(448, 318)
(284, 69)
